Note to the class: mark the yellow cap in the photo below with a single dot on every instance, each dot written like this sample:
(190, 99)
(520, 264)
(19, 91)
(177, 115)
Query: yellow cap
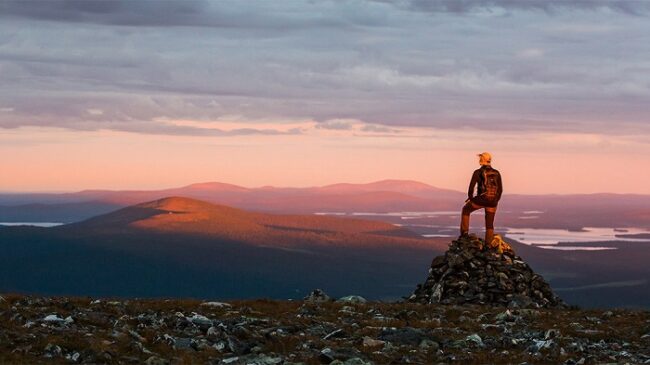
(486, 158)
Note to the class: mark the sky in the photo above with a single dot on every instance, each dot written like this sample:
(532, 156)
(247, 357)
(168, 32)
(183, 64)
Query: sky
(156, 94)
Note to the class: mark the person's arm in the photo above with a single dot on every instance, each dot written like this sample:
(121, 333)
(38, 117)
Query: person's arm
(500, 187)
(472, 185)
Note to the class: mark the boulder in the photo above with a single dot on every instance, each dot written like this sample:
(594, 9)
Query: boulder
(317, 296)
(352, 299)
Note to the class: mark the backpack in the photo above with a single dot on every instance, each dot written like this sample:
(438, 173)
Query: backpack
(490, 184)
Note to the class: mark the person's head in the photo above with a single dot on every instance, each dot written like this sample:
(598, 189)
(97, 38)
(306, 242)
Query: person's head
(484, 159)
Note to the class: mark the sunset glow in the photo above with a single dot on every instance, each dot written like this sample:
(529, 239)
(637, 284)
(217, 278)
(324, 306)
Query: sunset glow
(250, 93)
(49, 159)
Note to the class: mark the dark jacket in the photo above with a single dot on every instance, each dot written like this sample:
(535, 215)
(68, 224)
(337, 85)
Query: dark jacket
(477, 179)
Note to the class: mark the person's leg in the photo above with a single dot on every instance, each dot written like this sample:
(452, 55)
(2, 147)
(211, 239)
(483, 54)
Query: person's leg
(489, 224)
(464, 221)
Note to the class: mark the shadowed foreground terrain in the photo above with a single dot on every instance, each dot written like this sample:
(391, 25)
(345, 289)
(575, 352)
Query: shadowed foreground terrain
(179, 247)
(315, 330)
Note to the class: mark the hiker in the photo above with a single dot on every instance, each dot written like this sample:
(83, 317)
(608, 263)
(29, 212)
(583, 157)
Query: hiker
(488, 194)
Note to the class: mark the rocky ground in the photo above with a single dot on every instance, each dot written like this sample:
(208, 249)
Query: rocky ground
(316, 330)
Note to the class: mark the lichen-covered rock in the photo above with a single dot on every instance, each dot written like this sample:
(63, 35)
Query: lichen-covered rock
(471, 272)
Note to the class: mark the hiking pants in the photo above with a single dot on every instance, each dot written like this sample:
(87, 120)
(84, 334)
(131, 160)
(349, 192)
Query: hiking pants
(490, 212)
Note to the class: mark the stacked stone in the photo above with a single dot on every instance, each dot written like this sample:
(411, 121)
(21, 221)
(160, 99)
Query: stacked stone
(470, 273)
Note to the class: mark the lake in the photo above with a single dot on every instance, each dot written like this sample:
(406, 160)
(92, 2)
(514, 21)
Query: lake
(34, 224)
(554, 239)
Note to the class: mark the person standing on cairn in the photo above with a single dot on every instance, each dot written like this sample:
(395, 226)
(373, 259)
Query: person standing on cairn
(489, 188)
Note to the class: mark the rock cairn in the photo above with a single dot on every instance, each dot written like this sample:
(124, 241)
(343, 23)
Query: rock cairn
(470, 273)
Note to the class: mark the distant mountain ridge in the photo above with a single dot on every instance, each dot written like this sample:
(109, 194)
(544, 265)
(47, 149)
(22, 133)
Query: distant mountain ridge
(380, 196)
(389, 185)
(380, 192)
(623, 210)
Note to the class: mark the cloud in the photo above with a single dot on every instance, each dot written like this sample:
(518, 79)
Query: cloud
(129, 113)
(93, 111)
(483, 65)
(244, 14)
(180, 130)
(355, 126)
(335, 124)
(577, 28)
(267, 15)
(530, 53)
(547, 6)
(373, 128)
(132, 13)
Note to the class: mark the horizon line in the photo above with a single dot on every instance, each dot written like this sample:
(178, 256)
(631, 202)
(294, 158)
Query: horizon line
(76, 191)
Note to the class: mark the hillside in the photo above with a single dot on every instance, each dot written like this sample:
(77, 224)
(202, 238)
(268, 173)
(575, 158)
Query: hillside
(185, 247)
(178, 215)
(315, 330)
